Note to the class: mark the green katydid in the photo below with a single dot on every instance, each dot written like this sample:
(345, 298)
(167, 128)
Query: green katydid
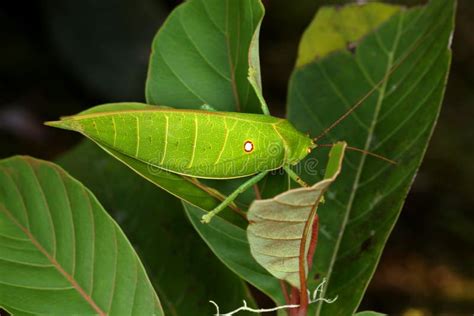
(196, 143)
(204, 143)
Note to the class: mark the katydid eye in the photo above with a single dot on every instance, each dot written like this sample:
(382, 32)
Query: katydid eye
(309, 150)
(248, 146)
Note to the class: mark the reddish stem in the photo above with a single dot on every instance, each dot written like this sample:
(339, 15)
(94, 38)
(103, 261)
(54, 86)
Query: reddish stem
(285, 292)
(313, 242)
(294, 300)
(304, 301)
(297, 297)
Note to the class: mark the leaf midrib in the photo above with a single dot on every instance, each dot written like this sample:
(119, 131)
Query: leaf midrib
(53, 261)
(353, 192)
(36, 243)
(232, 66)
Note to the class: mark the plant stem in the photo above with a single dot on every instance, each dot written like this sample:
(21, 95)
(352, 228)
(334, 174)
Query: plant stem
(313, 242)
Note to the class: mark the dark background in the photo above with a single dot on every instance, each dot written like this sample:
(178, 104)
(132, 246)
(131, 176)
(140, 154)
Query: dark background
(59, 57)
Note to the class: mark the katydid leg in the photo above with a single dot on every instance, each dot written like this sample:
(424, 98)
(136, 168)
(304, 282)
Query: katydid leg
(294, 176)
(231, 197)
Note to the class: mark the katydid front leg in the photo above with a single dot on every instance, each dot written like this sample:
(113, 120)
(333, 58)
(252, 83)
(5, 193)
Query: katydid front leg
(231, 197)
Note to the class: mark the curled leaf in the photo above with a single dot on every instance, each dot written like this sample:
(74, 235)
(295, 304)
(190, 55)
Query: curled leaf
(280, 228)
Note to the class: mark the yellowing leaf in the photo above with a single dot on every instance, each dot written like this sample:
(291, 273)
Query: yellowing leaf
(333, 28)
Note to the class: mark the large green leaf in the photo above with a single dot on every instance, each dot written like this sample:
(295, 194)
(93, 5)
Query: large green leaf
(412, 51)
(61, 253)
(201, 55)
(281, 227)
(181, 267)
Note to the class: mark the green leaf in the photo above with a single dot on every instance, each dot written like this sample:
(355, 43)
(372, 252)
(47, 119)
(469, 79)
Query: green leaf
(280, 227)
(412, 50)
(229, 243)
(201, 56)
(187, 189)
(61, 253)
(184, 272)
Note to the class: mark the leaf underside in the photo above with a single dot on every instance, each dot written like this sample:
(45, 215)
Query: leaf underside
(281, 226)
(396, 121)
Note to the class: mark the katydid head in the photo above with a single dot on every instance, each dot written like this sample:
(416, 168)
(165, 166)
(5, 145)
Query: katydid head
(298, 145)
(299, 150)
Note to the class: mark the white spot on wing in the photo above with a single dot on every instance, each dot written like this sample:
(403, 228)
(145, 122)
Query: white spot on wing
(248, 146)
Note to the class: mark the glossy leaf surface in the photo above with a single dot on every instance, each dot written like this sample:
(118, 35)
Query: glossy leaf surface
(201, 56)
